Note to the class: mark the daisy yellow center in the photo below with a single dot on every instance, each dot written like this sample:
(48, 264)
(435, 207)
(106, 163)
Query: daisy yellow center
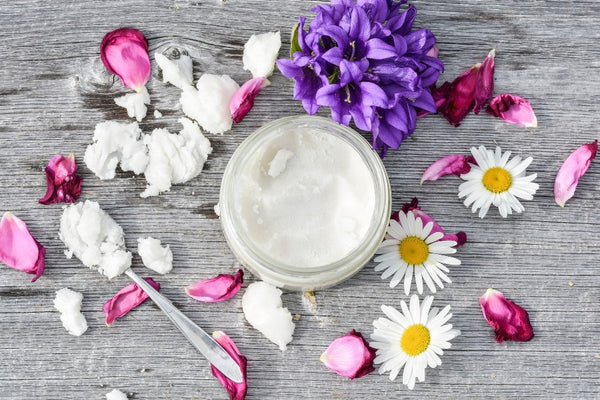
(415, 339)
(497, 180)
(413, 250)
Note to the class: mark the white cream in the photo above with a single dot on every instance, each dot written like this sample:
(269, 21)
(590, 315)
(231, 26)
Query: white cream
(68, 303)
(154, 255)
(264, 310)
(208, 104)
(115, 143)
(95, 238)
(260, 53)
(116, 394)
(135, 103)
(174, 158)
(178, 72)
(306, 198)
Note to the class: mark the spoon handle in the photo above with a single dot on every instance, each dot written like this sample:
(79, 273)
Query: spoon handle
(201, 340)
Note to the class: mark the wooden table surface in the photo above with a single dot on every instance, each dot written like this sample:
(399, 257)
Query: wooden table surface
(53, 91)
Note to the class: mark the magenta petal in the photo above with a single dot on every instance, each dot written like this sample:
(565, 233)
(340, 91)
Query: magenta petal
(454, 164)
(349, 356)
(63, 183)
(572, 169)
(459, 96)
(485, 82)
(243, 100)
(509, 320)
(237, 391)
(18, 249)
(124, 52)
(126, 300)
(512, 109)
(460, 238)
(220, 288)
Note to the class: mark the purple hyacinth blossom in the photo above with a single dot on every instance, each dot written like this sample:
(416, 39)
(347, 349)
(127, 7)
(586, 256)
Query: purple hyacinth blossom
(362, 59)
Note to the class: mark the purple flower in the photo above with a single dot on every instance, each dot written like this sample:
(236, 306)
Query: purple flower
(363, 60)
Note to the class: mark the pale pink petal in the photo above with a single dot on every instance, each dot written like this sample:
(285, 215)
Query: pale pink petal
(18, 249)
(509, 320)
(124, 53)
(512, 109)
(349, 356)
(63, 185)
(243, 100)
(433, 52)
(126, 300)
(460, 237)
(454, 164)
(484, 90)
(220, 288)
(572, 169)
(237, 391)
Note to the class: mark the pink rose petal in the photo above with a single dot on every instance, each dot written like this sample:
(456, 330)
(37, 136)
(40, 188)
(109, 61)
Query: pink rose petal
(220, 288)
(485, 82)
(512, 109)
(237, 391)
(349, 356)
(243, 100)
(460, 238)
(63, 184)
(509, 320)
(18, 249)
(572, 169)
(124, 52)
(126, 300)
(454, 164)
(472, 88)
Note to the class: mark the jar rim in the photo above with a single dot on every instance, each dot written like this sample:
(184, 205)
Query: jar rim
(298, 277)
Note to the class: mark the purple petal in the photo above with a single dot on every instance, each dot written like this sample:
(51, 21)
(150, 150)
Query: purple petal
(220, 288)
(124, 53)
(352, 71)
(63, 185)
(377, 49)
(485, 82)
(454, 164)
(373, 95)
(126, 300)
(350, 356)
(574, 167)
(237, 391)
(512, 109)
(18, 249)
(243, 100)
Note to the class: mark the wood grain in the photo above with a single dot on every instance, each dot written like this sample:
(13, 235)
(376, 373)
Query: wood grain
(53, 91)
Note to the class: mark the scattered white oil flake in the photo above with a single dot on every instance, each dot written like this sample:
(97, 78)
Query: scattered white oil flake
(264, 310)
(157, 114)
(116, 394)
(154, 255)
(260, 53)
(208, 104)
(278, 163)
(135, 103)
(68, 303)
(116, 142)
(95, 238)
(174, 158)
(178, 72)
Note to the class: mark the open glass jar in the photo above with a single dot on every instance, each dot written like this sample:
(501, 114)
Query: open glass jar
(304, 202)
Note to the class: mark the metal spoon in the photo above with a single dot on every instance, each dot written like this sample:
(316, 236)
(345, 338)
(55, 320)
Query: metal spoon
(201, 340)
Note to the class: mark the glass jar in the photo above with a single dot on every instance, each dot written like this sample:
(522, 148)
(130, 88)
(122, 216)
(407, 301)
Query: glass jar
(297, 277)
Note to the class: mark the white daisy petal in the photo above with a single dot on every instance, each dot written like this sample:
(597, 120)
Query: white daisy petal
(408, 279)
(434, 237)
(419, 278)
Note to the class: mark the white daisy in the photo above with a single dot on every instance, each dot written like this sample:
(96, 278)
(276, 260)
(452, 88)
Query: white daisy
(498, 181)
(413, 339)
(411, 248)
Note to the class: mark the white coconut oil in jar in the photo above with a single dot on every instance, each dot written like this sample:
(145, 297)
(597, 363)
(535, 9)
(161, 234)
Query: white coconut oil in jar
(304, 202)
